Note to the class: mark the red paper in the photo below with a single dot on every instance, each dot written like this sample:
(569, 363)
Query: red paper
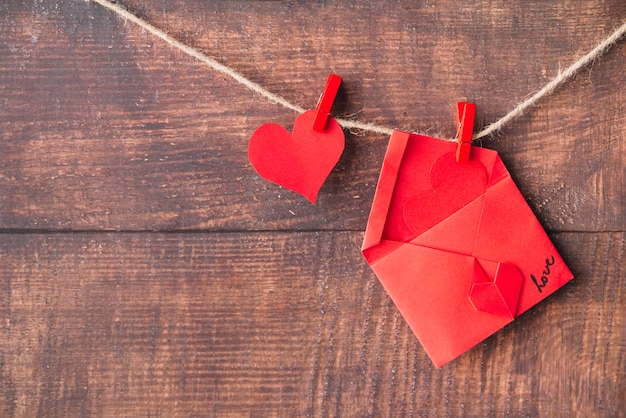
(455, 245)
(300, 161)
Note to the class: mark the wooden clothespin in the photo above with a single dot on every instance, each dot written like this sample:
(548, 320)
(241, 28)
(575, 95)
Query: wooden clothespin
(325, 103)
(465, 127)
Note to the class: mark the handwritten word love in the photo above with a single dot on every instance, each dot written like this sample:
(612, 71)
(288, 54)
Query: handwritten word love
(544, 276)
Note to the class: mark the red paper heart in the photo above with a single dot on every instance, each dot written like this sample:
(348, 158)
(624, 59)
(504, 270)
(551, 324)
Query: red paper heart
(500, 296)
(300, 161)
(454, 185)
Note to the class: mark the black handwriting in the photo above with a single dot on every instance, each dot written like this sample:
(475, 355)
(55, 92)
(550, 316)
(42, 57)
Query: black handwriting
(544, 277)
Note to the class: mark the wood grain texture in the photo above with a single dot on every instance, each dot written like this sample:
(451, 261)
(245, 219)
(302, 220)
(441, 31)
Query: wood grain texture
(125, 133)
(149, 271)
(283, 324)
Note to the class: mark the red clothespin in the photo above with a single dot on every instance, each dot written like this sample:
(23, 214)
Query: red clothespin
(465, 127)
(325, 103)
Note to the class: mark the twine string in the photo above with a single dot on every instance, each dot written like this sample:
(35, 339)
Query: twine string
(549, 88)
(490, 129)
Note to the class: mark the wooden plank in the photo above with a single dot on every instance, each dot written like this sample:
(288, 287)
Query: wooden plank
(105, 127)
(283, 324)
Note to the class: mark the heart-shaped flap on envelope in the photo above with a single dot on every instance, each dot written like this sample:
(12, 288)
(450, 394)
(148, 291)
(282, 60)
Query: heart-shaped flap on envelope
(453, 186)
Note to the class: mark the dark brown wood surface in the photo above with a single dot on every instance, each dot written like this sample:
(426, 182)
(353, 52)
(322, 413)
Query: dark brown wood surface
(148, 270)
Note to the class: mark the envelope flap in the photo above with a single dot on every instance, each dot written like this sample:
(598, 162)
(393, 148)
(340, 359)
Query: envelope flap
(385, 188)
(457, 232)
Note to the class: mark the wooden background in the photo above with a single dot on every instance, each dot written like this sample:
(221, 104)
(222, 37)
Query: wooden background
(147, 270)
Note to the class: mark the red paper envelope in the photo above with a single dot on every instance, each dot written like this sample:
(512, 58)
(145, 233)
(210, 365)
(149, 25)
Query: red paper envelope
(455, 245)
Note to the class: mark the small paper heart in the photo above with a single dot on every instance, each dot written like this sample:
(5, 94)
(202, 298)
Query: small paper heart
(300, 161)
(500, 296)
